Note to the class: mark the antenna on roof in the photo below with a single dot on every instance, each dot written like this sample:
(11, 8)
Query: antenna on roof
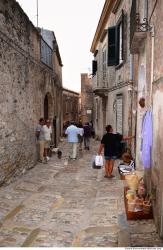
(37, 12)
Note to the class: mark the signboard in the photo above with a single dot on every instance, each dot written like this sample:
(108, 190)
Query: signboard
(89, 111)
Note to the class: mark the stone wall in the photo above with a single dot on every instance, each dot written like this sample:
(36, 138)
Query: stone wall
(157, 108)
(24, 82)
(148, 75)
(86, 98)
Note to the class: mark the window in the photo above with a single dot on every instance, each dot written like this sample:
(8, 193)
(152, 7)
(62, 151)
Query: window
(112, 46)
(94, 67)
(96, 110)
(104, 64)
(115, 43)
(46, 54)
(120, 44)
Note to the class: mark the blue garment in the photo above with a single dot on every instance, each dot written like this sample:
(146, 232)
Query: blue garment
(72, 131)
(146, 136)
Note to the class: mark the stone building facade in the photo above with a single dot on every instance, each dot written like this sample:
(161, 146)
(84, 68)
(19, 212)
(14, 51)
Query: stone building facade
(71, 106)
(30, 88)
(86, 98)
(140, 74)
(111, 69)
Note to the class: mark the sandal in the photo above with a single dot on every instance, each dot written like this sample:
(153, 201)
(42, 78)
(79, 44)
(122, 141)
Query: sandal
(111, 176)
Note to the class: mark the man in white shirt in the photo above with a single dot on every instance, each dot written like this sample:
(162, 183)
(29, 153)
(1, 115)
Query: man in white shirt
(80, 136)
(72, 137)
(48, 136)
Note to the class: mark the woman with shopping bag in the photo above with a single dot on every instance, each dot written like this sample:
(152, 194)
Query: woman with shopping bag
(110, 144)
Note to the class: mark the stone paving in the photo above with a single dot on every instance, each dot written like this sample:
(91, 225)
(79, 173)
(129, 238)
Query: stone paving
(67, 205)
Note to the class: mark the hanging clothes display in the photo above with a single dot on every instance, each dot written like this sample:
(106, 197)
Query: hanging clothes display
(146, 136)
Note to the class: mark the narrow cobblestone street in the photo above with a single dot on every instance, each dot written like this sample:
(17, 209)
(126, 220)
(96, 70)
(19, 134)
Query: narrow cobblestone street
(59, 205)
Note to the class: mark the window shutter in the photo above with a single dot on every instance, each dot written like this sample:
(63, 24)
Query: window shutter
(94, 67)
(112, 46)
(123, 33)
(117, 45)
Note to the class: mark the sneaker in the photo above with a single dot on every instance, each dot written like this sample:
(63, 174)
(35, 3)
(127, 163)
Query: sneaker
(40, 161)
(47, 158)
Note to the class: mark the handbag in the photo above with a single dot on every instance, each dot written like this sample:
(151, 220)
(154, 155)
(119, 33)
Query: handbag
(99, 160)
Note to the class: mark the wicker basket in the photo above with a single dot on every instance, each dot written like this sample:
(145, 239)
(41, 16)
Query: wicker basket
(132, 181)
(130, 195)
(147, 207)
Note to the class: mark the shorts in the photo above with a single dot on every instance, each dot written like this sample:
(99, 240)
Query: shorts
(47, 144)
(110, 157)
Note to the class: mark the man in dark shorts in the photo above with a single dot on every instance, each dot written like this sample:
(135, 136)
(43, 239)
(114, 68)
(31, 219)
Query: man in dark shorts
(110, 143)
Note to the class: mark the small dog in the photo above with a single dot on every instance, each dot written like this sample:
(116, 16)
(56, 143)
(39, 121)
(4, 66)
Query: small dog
(59, 153)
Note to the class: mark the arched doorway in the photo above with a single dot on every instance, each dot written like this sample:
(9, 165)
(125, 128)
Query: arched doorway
(49, 114)
(48, 106)
(46, 113)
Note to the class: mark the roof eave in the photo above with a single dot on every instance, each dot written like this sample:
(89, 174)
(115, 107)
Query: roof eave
(102, 22)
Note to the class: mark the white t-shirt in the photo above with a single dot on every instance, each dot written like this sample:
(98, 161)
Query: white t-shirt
(47, 133)
(81, 131)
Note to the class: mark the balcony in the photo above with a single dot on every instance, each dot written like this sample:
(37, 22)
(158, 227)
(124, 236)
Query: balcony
(138, 29)
(99, 89)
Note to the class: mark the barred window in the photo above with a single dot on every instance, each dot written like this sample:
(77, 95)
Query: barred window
(46, 54)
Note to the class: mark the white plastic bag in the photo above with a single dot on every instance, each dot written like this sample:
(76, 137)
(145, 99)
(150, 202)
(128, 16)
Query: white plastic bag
(99, 162)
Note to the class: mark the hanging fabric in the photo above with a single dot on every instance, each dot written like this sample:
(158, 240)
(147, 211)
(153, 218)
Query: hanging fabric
(146, 136)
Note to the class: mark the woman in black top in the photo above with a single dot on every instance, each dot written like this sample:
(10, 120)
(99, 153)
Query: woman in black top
(110, 143)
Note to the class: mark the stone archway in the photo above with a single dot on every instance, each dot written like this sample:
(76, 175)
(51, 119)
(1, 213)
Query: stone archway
(48, 106)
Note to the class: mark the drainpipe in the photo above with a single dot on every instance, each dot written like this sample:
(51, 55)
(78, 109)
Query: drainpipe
(132, 103)
(152, 51)
(152, 62)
